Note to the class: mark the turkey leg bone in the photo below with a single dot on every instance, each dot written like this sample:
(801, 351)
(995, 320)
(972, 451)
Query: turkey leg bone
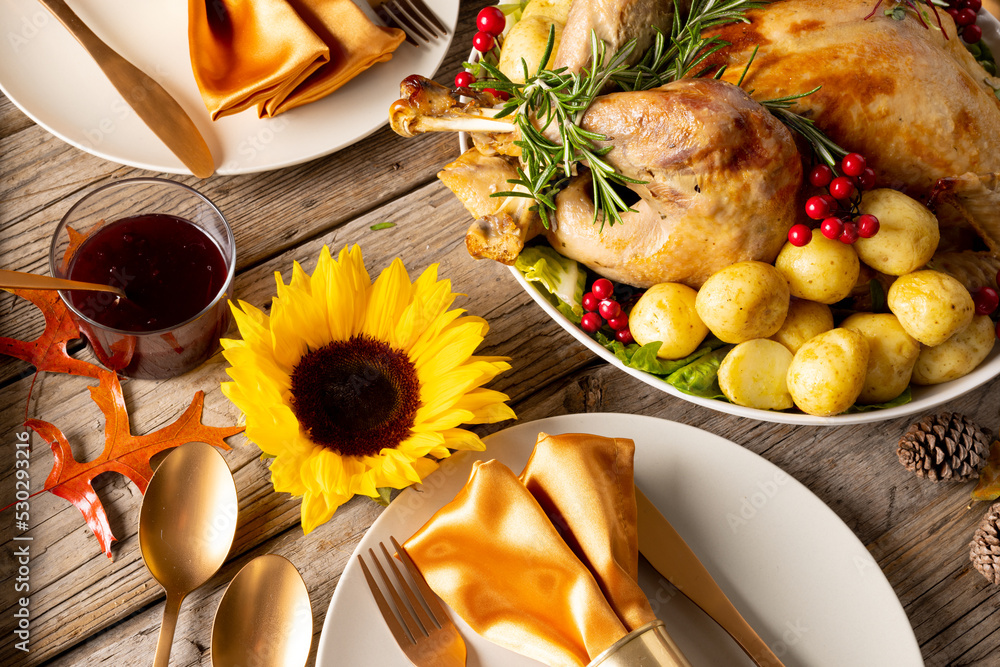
(427, 106)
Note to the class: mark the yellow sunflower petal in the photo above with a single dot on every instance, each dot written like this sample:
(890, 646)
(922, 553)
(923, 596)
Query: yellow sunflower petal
(347, 294)
(486, 405)
(454, 345)
(389, 295)
(430, 298)
(459, 438)
(253, 325)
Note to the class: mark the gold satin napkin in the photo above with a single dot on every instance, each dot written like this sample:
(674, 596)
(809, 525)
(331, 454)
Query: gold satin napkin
(544, 564)
(279, 54)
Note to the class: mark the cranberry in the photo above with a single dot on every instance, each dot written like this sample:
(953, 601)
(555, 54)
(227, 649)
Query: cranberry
(799, 235)
(965, 17)
(867, 225)
(972, 33)
(952, 12)
(491, 21)
(832, 227)
(464, 79)
(866, 181)
(986, 300)
(609, 309)
(829, 200)
(590, 302)
(619, 323)
(590, 322)
(624, 336)
(821, 176)
(853, 164)
(850, 233)
(482, 41)
(974, 5)
(602, 288)
(817, 208)
(842, 187)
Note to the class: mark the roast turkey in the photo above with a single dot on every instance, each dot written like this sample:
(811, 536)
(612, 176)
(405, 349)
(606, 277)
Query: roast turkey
(914, 102)
(722, 179)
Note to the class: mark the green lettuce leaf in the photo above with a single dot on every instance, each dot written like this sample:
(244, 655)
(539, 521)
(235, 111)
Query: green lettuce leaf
(701, 378)
(563, 279)
(902, 399)
(643, 358)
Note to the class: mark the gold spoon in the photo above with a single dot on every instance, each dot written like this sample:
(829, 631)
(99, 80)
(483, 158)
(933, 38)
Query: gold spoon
(264, 618)
(186, 527)
(21, 280)
(154, 105)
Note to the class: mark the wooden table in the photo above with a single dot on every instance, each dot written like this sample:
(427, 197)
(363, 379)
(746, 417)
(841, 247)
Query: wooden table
(87, 609)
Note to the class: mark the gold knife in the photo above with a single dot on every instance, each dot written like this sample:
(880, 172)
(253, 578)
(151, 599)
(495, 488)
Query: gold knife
(151, 102)
(666, 551)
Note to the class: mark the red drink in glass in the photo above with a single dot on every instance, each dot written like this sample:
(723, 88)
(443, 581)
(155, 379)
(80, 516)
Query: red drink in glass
(171, 251)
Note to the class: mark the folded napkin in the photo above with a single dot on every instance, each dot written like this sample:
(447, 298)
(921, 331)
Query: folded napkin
(279, 54)
(544, 564)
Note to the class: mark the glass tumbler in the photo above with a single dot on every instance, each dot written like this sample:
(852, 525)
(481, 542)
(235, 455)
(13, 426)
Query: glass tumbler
(173, 253)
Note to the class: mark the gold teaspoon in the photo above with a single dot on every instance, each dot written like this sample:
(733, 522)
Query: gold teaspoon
(264, 618)
(21, 280)
(186, 527)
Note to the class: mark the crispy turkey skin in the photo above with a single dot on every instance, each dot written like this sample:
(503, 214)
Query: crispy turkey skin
(917, 105)
(722, 181)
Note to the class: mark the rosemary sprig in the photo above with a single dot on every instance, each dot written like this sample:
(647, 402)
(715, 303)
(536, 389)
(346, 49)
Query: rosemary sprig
(553, 103)
(676, 56)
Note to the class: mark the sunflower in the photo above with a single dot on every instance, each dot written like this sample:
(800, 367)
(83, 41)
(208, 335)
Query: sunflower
(352, 386)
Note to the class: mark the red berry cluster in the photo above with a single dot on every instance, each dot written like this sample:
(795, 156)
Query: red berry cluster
(601, 306)
(838, 206)
(491, 22)
(965, 13)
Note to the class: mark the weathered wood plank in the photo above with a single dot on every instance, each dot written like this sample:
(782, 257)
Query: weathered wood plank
(492, 293)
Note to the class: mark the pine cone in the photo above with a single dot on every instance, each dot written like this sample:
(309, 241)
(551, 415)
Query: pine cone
(984, 551)
(944, 446)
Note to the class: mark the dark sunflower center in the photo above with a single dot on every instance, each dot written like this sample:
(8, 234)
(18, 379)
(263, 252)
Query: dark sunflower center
(356, 396)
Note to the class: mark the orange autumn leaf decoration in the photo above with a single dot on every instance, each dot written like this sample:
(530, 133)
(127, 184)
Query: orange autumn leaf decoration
(48, 351)
(988, 487)
(123, 452)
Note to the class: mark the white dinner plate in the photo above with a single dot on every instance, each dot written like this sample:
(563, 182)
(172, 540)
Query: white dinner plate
(46, 73)
(797, 574)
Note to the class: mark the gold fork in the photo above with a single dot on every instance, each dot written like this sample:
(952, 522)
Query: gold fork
(434, 640)
(413, 17)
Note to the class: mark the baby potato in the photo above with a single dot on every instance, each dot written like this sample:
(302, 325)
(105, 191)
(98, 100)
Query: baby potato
(907, 237)
(957, 356)
(828, 372)
(743, 301)
(805, 320)
(823, 270)
(527, 40)
(931, 306)
(528, 37)
(753, 375)
(666, 312)
(892, 353)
